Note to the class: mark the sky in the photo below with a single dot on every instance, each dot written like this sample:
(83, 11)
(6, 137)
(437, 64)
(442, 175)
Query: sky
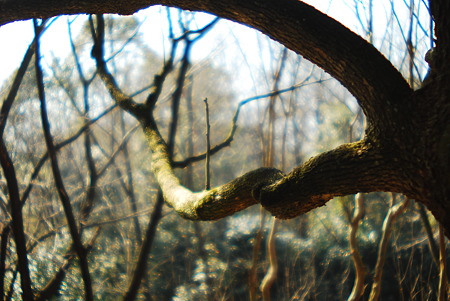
(18, 36)
(55, 41)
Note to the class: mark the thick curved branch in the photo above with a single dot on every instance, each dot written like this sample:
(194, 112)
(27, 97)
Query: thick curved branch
(348, 169)
(364, 71)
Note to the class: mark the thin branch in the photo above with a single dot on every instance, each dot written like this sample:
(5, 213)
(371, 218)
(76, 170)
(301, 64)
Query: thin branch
(141, 265)
(119, 148)
(58, 147)
(176, 97)
(10, 174)
(208, 148)
(160, 78)
(8, 101)
(78, 246)
(123, 100)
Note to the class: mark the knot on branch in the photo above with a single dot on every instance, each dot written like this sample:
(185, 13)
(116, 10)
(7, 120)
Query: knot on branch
(291, 207)
(234, 196)
(263, 177)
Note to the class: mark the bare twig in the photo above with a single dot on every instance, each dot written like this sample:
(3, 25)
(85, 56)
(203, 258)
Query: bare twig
(208, 148)
(227, 141)
(156, 215)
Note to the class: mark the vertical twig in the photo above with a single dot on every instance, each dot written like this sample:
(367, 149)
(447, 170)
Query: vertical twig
(78, 246)
(151, 100)
(190, 132)
(202, 252)
(201, 242)
(208, 148)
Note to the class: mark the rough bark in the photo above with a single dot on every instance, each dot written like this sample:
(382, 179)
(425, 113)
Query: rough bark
(407, 144)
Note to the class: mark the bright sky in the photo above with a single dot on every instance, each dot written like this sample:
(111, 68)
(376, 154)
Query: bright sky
(18, 35)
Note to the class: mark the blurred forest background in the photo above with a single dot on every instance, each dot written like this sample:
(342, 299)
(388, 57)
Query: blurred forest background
(267, 107)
